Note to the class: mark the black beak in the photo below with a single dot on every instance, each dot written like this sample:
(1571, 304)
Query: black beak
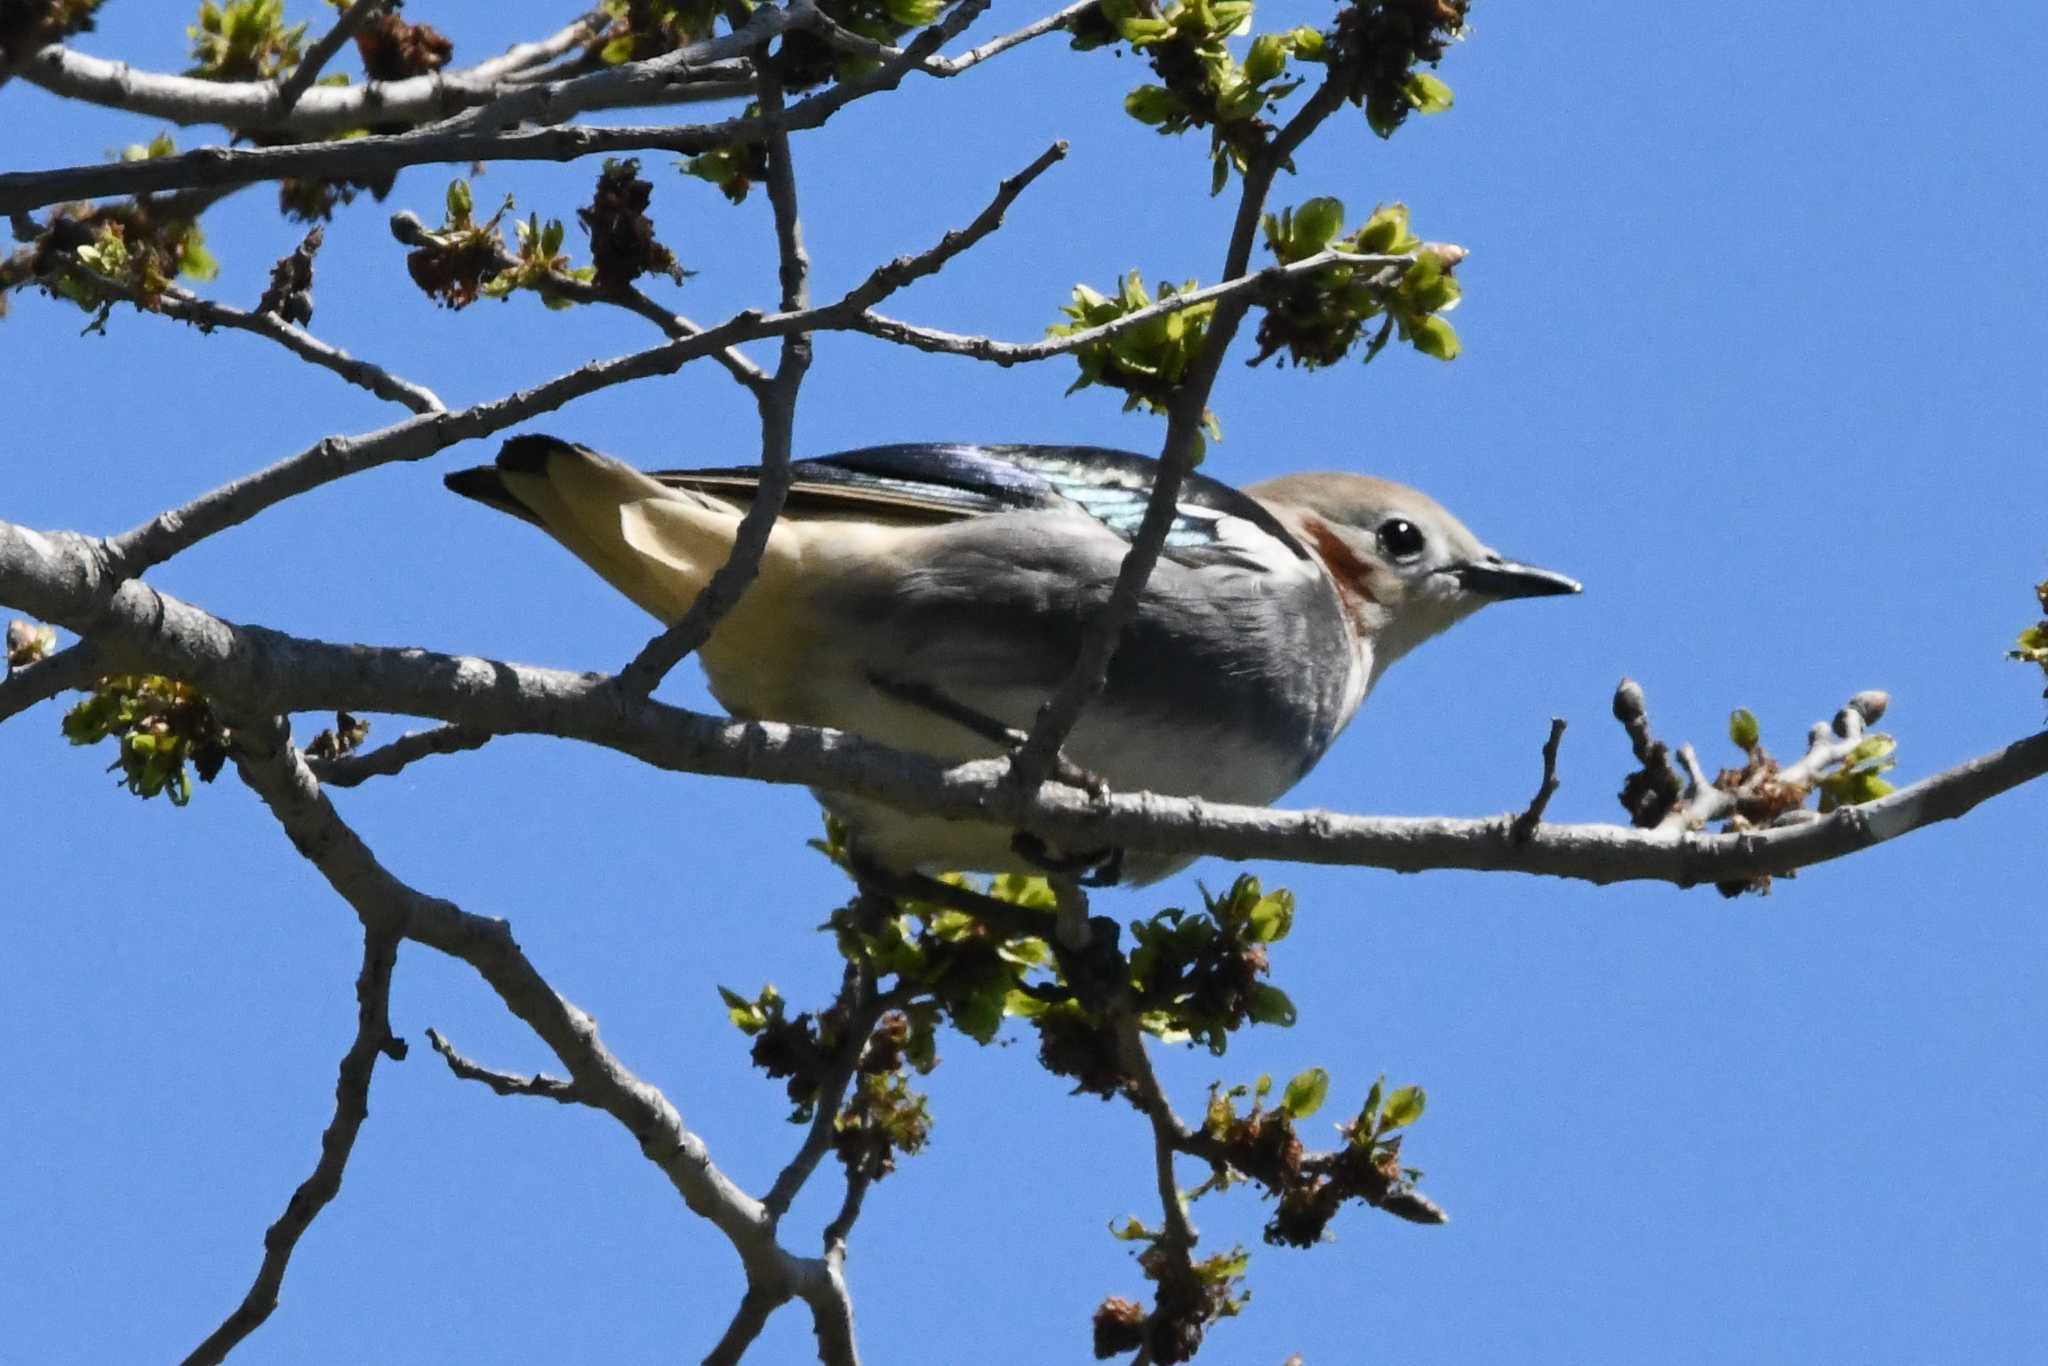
(1499, 578)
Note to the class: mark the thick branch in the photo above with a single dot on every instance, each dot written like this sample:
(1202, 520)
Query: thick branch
(261, 105)
(59, 578)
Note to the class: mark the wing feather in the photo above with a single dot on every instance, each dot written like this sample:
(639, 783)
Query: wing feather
(924, 484)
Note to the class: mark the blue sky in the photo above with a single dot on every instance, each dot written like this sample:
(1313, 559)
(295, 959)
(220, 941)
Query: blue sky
(1753, 337)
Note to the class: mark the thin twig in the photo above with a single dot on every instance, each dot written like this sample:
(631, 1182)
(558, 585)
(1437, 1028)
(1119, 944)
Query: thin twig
(352, 770)
(280, 777)
(74, 666)
(428, 434)
(362, 158)
(407, 228)
(841, 1227)
(995, 47)
(179, 303)
(1257, 284)
(1525, 824)
(860, 45)
(525, 56)
(1033, 762)
(540, 1084)
(351, 1107)
(860, 1008)
(308, 70)
(777, 400)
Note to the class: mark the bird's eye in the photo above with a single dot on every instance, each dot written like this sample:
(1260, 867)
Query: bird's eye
(1400, 538)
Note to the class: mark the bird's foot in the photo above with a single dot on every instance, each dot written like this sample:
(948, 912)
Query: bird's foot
(1095, 868)
(1065, 770)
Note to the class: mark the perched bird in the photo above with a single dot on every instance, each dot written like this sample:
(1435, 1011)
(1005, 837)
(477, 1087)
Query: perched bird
(931, 596)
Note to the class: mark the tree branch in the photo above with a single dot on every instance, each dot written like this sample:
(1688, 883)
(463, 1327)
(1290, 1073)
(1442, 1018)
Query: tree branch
(777, 403)
(747, 1322)
(294, 86)
(75, 666)
(280, 777)
(778, 399)
(353, 770)
(60, 578)
(409, 231)
(1525, 824)
(420, 437)
(351, 1107)
(505, 1083)
(205, 314)
(1258, 284)
(368, 157)
(995, 47)
(260, 105)
(1034, 761)
(861, 1008)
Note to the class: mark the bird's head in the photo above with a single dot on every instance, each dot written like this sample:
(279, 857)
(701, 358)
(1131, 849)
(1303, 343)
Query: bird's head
(1405, 568)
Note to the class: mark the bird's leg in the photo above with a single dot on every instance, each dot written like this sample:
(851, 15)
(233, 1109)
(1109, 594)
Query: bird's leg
(1095, 868)
(928, 698)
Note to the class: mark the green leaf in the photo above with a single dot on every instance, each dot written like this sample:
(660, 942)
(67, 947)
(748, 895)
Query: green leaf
(1369, 1113)
(195, 262)
(1020, 890)
(1272, 917)
(1433, 336)
(912, 13)
(1154, 105)
(1306, 1093)
(1267, 58)
(1270, 1005)
(460, 204)
(1403, 1108)
(1386, 232)
(1427, 94)
(1743, 730)
(745, 1014)
(1316, 224)
(981, 1015)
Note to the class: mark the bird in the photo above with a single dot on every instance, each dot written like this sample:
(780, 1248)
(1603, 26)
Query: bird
(930, 596)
